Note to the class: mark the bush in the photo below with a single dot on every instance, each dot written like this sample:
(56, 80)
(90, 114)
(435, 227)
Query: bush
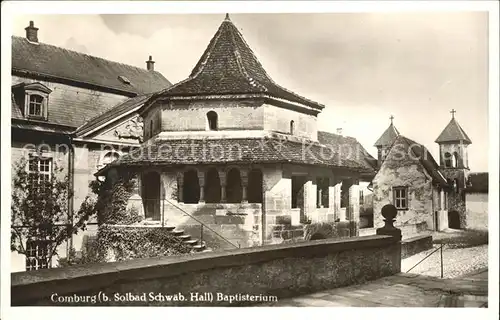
(139, 242)
(326, 230)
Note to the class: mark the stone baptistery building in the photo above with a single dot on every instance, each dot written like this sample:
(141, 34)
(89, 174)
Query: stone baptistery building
(231, 150)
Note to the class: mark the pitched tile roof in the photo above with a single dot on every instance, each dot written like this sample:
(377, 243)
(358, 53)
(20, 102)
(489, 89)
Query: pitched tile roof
(241, 150)
(477, 182)
(453, 133)
(350, 149)
(112, 114)
(425, 158)
(49, 60)
(229, 66)
(387, 138)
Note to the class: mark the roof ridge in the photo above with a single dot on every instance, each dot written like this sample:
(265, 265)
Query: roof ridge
(269, 78)
(200, 65)
(240, 35)
(253, 82)
(86, 54)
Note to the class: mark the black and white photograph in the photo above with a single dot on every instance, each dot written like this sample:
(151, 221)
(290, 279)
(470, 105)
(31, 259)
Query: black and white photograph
(249, 156)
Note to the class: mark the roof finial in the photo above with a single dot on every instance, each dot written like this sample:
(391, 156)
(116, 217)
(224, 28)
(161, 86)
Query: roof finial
(227, 17)
(392, 118)
(453, 113)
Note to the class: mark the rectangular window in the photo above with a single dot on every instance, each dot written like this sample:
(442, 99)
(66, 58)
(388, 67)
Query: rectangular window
(400, 196)
(35, 107)
(39, 171)
(37, 255)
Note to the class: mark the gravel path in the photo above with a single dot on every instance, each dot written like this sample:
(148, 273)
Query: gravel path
(456, 262)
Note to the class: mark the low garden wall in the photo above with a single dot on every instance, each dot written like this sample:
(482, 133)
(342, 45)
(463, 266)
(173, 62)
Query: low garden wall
(237, 277)
(415, 245)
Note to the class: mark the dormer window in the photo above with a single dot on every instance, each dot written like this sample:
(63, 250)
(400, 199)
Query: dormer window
(35, 108)
(33, 99)
(124, 79)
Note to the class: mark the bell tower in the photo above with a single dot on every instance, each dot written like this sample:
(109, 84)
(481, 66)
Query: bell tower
(454, 164)
(385, 141)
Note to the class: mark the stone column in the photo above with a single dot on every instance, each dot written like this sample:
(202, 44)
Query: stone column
(441, 197)
(354, 201)
(201, 180)
(336, 198)
(135, 200)
(244, 185)
(309, 199)
(180, 187)
(320, 197)
(223, 181)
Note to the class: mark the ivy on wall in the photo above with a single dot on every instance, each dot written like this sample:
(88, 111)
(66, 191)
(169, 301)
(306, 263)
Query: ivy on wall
(139, 242)
(327, 230)
(119, 243)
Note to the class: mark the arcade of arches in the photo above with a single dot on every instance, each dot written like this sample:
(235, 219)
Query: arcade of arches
(212, 185)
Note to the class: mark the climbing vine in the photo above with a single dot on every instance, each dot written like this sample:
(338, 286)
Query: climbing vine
(140, 242)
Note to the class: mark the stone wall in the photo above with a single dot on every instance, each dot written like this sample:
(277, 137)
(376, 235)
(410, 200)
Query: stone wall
(477, 210)
(278, 270)
(236, 223)
(278, 119)
(456, 198)
(414, 245)
(409, 173)
(192, 116)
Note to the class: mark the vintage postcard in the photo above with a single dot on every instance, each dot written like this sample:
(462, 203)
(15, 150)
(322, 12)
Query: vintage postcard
(213, 154)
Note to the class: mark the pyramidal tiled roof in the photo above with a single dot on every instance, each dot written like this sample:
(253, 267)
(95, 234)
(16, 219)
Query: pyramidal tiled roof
(453, 133)
(229, 67)
(387, 138)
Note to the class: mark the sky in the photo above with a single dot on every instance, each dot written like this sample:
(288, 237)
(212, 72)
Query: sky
(364, 67)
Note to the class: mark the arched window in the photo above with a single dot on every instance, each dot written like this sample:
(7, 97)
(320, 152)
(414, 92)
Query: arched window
(454, 160)
(151, 128)
(447, 160)
(212, 120)
(292, 127)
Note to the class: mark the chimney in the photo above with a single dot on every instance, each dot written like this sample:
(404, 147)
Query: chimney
(339, 131)
(31, 32)
(150, 64)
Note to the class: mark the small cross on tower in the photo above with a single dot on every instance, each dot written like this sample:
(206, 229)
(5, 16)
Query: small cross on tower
(452, 113)
(392, 118)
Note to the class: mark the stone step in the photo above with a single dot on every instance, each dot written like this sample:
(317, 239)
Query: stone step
(184, 237)
(200, 247)
(177, 232)
(191, 242)
(169, 228)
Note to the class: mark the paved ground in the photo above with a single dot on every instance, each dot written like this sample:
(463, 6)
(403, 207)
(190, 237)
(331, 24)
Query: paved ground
(402, 290)
(456, 262)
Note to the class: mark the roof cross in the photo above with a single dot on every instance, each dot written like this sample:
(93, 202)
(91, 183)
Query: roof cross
(392, 118)
(453, 113)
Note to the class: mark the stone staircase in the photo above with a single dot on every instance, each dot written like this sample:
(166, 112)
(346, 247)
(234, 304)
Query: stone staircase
(196, 244)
